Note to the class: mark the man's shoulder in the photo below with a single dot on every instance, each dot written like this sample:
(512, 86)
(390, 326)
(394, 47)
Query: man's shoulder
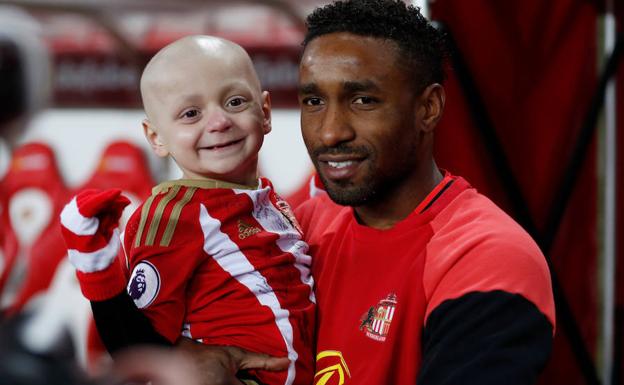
(476, 246)
(472, 214)
(319, 212)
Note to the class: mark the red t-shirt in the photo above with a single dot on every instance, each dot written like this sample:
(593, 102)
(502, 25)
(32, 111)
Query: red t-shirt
(437, 298)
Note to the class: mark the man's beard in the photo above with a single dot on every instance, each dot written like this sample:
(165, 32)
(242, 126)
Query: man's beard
(347, 193)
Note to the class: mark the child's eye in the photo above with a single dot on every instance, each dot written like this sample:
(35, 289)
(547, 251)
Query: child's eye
(190, 114)
(235, 102)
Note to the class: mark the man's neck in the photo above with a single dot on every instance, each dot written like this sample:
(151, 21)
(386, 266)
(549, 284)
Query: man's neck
(400, 202)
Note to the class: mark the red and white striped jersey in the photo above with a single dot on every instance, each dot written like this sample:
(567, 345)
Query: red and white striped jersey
(226, 265)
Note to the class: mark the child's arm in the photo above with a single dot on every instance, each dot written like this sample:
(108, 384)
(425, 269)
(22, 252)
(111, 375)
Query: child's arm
(89, 226)
(121, 325)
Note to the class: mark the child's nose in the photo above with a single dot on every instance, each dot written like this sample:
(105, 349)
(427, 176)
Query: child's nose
(218, 121)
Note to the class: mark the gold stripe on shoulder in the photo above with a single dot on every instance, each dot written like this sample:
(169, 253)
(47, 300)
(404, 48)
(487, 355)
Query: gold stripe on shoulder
(201, 183)
(158, 213)
(175, 215)
(144, 212)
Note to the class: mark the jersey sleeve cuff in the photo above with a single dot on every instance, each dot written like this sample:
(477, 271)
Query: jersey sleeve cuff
(104, 284)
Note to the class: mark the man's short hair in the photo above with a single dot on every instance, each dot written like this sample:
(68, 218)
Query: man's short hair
(422, 45)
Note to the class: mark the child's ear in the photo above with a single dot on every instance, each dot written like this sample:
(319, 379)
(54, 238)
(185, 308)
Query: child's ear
(154, 139)
(266, 112)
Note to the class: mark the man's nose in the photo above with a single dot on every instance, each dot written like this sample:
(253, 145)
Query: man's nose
(336, 127)
(218, 121)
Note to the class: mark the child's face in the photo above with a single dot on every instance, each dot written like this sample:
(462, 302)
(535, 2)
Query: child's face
(209, 114)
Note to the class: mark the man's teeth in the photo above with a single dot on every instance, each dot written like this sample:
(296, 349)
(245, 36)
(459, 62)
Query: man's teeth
(341, 164)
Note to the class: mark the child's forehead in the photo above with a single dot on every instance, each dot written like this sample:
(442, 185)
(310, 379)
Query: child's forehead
(206, 76)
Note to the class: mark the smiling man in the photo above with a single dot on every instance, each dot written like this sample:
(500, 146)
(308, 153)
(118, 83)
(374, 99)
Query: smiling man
(419, 278)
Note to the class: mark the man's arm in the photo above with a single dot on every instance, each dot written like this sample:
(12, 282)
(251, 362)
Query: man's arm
(122, 325)
(490, 310)
(485, 338)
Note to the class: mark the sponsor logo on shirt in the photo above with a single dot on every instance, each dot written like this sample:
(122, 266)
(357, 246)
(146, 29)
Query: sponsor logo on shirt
(375, 323)
(331, 368)
(246, 230)
(144, 284)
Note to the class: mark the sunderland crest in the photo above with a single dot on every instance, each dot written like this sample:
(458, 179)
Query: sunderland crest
(375, 323)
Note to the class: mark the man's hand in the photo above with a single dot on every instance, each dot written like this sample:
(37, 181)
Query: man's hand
(157, 365)
(219, 364)
(89, 226)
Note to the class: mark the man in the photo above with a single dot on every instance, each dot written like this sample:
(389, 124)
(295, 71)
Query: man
(419, 279)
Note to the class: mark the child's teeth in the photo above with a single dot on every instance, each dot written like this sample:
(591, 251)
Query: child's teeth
(340, 164)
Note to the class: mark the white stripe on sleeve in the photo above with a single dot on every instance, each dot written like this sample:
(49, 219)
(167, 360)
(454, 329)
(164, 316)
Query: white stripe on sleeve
(76, 222)
(96, 260)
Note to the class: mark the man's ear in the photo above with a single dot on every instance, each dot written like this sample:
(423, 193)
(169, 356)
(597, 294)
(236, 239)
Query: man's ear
(431, 106)
(154, 139)
(266, 112)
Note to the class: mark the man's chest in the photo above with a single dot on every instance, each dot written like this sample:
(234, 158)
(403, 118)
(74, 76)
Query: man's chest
(371, 306)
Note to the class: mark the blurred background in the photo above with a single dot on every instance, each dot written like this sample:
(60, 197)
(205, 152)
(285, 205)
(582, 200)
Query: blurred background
(534, 120)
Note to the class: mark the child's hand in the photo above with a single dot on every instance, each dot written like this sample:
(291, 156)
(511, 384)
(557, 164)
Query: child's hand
(89, 225)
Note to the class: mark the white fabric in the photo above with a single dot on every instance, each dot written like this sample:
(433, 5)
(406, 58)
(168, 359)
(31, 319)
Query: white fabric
(289, 241)
(96, 260)
(76, 222)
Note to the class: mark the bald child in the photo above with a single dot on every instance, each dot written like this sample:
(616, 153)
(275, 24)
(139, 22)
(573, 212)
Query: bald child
(216, 256)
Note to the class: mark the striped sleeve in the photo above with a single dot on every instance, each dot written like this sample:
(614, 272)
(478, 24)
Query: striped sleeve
(163, 254)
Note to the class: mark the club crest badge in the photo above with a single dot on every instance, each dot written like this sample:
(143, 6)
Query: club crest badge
(285, 209)
(375, 323)
(144, 284)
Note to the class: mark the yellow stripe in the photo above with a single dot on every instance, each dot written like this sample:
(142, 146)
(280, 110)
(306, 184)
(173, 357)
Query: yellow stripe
(175, 215)
(201, 183)
(151, 234)
(144, 213)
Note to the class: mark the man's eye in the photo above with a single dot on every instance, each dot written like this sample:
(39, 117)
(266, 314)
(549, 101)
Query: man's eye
(235, 102)
(312, 101)
(364, 100)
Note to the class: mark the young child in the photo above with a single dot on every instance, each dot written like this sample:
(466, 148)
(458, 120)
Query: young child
(216, 256)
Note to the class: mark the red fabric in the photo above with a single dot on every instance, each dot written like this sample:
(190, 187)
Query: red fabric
(106, 206)
(104, 284)
(460, 244)
(233, 266)
(33, 165)
(534, 65)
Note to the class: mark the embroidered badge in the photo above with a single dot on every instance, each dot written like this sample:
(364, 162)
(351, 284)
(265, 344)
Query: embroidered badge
(144, 284)
(375, 323)
(246, 230)
(285, 209)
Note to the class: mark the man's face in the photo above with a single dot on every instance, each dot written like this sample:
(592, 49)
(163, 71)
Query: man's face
(358, 116)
